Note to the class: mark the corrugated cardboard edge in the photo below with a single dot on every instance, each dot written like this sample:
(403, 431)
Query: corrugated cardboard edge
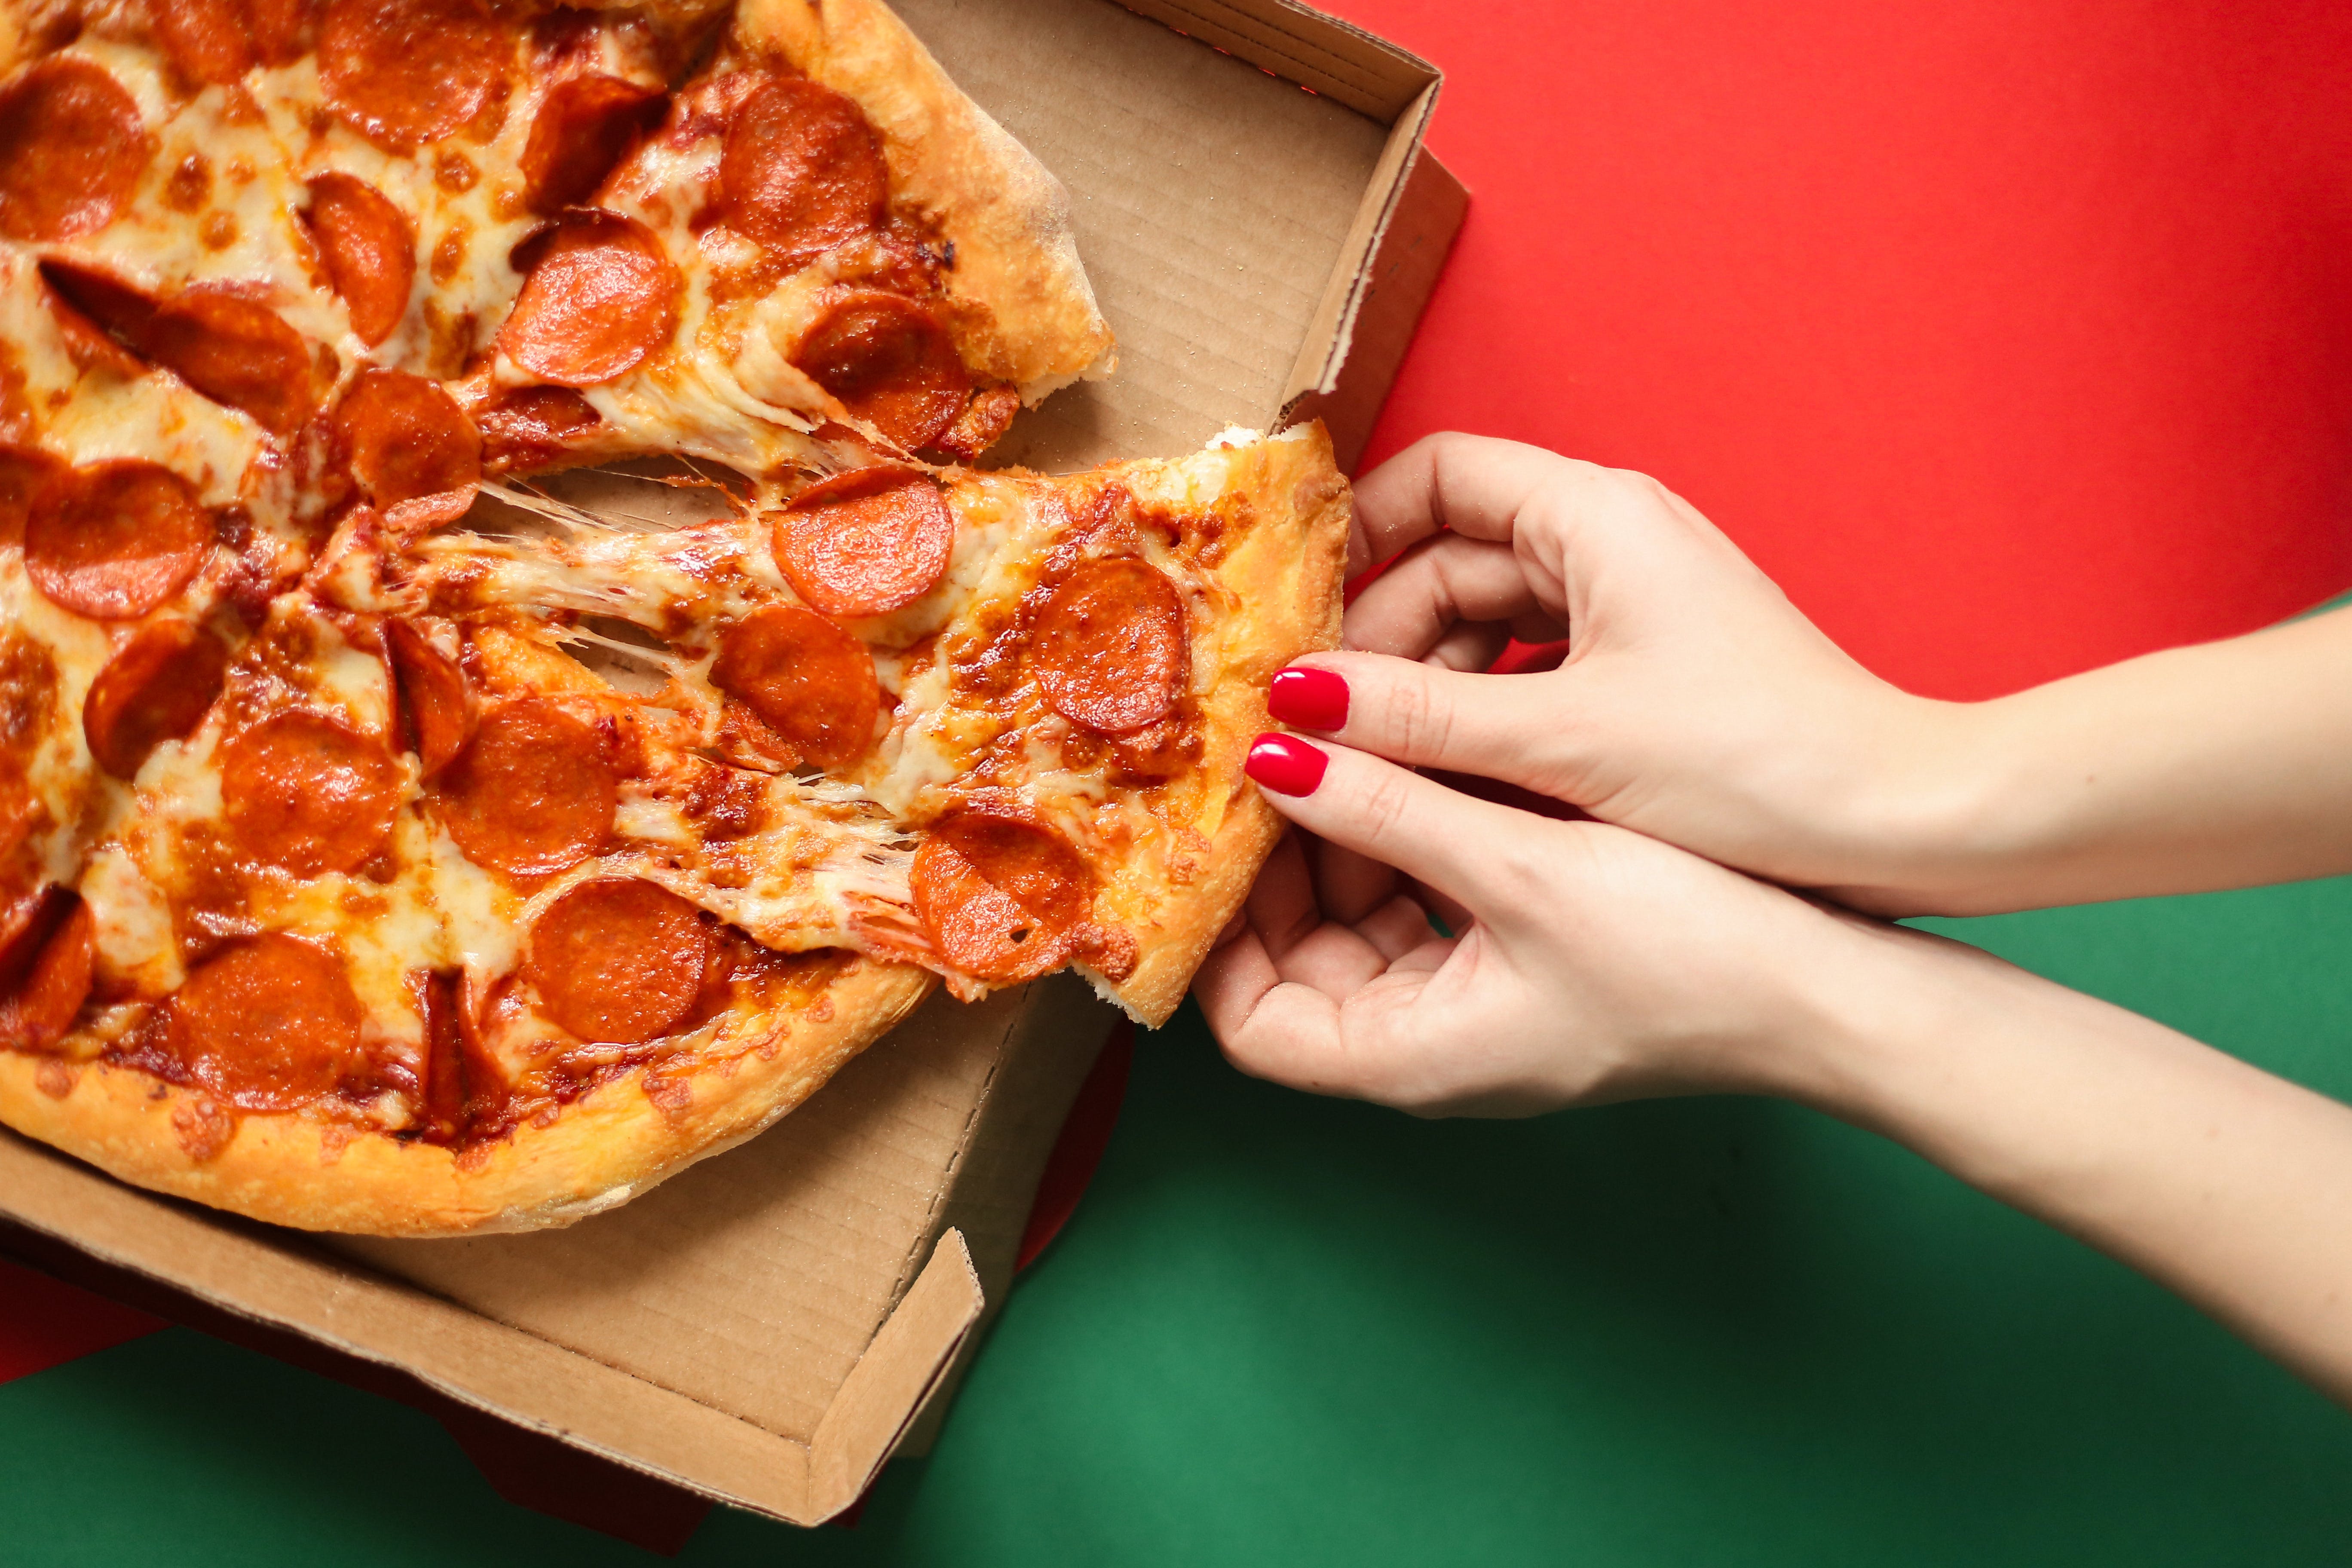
(1320, 52)
(1384, 310)
(992, 1184)
(503, 1372)
(1324, 351)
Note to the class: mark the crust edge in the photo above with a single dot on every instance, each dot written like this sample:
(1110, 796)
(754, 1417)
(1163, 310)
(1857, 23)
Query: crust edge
(602, 1150)
(1295, 474)
(1017, 268)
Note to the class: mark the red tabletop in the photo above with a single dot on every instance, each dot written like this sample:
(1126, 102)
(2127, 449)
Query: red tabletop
(2012, 336)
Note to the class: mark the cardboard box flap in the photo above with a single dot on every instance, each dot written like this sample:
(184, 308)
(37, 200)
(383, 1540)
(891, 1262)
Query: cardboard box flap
(249, 1271)
(894, 1378)
(1223, 214)
(1386, 310)
(1329, 336)
(1320, 53)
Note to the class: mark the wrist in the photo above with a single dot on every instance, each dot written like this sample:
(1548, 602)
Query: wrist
(1939, 818)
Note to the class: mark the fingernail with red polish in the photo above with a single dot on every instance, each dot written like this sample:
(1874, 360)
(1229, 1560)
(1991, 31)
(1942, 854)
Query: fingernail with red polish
(1309, 698)
(1286, 764)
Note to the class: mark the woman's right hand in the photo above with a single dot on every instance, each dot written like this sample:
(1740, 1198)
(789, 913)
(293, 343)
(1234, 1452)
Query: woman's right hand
(1695, 704)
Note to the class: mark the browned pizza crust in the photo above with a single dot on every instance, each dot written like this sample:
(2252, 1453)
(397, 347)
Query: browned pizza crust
(1030, 316)
(621, 1138)
(1285, 576)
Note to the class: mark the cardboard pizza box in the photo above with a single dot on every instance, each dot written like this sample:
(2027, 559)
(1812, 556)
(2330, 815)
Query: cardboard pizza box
(765, 1329)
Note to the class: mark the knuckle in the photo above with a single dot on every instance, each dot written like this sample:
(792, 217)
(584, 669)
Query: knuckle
(1383, 807)
(1415, 719)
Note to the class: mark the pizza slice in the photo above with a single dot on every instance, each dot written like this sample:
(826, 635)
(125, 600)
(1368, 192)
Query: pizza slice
(822, 235)
(1051, 682)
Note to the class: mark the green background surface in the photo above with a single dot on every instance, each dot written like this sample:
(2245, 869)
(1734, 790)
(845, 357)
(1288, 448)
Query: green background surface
(1284, 1330)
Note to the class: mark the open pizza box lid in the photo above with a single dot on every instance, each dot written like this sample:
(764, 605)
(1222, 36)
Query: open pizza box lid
(765, 1329)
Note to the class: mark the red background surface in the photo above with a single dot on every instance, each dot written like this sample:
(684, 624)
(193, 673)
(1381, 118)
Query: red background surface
(2012, 336)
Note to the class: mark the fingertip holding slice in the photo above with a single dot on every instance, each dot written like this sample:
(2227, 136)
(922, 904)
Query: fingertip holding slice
(47, 965)
(115, 541)
(1002, 896)
(1111, 650)
(370, 250)
(269, 1023)
(531, 793)
(406, 72)
(801, 169)
(72, 148)
(866, 542)
(157, 688)
(238, 352)
(807, 680)
(307, 794)
(404, 436)
(434, 696)
(602, 297)
(619, 961)
(890, 362)
(585, 127)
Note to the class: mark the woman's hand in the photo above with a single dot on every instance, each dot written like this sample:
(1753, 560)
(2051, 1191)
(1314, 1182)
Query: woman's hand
(1596, 964)
(1591, 964)
(1696, 703)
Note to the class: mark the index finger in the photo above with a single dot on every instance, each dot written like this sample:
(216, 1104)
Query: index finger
(1474, 485)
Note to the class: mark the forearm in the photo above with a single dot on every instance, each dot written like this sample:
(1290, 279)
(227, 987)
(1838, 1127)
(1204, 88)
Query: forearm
(2224, 766)
(2229, 1186)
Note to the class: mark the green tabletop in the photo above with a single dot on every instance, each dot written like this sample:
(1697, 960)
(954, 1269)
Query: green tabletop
(1287, 1330)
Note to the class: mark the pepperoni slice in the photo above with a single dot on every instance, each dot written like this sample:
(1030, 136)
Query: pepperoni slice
(269, 1023)
(307, 794)
(618, 960)
(584, 128)
(802, 170)
(104, 319)
(981, 425)
(157, 688)
(403, 72)
(25, 473)
(236, 351)
(866, 542)
(533, 424)
(1109, 651)
(72, 148)
(404, 436)
(532, 793)
(1000, 896)
(48, 952)
(807, 680)
(87, 343)
(114, 540)
(433, 695)
(370, 249)
(205, 39)
(275, 29)
(890, 362)
(601, 297)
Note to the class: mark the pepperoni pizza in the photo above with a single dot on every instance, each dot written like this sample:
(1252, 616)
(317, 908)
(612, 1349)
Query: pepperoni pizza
(396, 838)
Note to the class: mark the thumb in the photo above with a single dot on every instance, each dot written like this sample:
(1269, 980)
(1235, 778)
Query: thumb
(1424, 715)
(1461, 847)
